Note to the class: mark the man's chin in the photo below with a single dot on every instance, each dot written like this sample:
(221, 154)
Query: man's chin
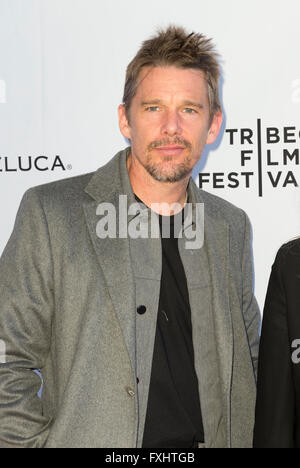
(168, 176)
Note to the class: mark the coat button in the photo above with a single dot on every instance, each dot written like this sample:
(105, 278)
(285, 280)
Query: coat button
(130, 392)
(141, 309)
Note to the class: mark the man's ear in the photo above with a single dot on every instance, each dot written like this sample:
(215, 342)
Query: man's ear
(214, 128)
(123, 122)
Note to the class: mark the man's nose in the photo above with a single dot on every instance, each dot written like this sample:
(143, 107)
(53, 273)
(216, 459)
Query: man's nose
(171, 124)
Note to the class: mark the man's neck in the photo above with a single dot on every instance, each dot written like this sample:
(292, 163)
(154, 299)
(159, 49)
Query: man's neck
(153, 192)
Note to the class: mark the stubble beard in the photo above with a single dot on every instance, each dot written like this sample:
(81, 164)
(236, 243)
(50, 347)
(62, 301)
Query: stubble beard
(175, 172)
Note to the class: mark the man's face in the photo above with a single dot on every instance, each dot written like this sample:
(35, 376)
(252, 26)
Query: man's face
(169, 121)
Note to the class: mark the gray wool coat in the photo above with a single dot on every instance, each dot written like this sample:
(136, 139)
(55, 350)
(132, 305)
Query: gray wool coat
(68, 301)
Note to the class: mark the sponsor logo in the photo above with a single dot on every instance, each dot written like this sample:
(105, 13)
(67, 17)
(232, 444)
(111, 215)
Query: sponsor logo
(31, 163)
(265, 156)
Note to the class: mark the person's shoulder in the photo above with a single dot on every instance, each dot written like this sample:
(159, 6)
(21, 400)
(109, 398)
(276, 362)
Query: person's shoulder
(64, 190)
(219, 207)
(289, 250)
(287, 260)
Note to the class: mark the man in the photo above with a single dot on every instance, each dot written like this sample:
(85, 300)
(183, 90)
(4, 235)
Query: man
(142, 341)
(277, 423)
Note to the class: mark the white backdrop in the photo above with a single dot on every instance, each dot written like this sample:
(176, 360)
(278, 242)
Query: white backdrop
(62, 69)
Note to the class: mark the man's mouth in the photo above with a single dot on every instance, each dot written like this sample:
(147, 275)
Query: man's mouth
(170, 149)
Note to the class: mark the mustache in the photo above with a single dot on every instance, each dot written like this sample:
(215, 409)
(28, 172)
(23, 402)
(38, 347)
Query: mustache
(169, 141)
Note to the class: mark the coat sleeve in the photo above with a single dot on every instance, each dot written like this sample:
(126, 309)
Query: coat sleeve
(275, 406)
(251, 313)
(26, 306)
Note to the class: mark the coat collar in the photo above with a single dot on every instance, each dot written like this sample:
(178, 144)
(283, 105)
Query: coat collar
(113, 180)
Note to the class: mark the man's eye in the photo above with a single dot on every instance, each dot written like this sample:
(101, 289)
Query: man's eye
(188, 110)
(152, 108)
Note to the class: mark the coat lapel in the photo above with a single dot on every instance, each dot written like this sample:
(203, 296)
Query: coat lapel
(113, 254)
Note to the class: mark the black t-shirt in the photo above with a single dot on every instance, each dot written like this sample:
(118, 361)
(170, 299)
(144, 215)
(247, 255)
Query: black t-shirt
(173, 418)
